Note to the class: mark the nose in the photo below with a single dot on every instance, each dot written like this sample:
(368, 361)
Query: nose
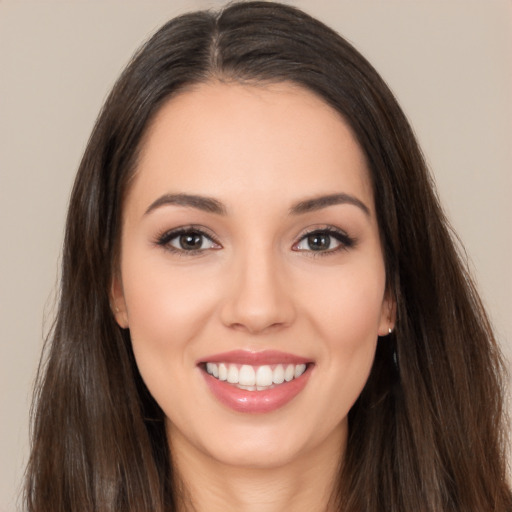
(259, 297)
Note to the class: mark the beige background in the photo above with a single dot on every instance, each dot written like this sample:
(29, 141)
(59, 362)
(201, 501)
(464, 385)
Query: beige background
(447, 61)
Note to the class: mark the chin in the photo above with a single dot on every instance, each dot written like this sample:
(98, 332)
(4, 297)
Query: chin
(259, 452)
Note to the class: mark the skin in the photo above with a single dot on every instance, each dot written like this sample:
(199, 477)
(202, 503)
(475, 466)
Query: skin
(258, 285)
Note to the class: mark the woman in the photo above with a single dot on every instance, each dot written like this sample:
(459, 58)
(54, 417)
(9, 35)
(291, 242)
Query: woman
(261, 305)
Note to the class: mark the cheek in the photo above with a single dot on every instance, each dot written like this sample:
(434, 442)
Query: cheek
(166, 312)
(167, 308)
(350, 331)
(346, 320)
(347, 307)
(162, 299)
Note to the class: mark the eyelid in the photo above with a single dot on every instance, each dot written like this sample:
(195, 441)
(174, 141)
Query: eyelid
(345, 240)
(164, 237)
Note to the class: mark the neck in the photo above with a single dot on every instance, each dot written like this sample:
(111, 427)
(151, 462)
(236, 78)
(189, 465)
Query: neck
(305, 484)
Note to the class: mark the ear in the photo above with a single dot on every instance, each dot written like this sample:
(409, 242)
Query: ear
(117, 302)
(387, 315)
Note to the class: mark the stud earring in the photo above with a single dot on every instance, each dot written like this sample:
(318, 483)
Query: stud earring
(390, 330)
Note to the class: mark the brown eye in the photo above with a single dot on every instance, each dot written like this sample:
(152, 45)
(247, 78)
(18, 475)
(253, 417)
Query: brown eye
(319, 241)
(187, 240)
(324, 241)
(190, 241)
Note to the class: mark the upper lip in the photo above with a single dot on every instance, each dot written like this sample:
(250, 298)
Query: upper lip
(259, 358)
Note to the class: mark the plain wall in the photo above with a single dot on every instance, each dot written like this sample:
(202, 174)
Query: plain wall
(448, 62)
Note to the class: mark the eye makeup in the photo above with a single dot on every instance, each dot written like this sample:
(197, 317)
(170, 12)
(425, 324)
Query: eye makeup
(188, 240)
(192, 240)
(324, 241)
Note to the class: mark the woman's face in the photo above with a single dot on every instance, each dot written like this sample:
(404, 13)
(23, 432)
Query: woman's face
(251, 273)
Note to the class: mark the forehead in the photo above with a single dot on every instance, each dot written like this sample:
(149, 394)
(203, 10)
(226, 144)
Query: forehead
(267, 142)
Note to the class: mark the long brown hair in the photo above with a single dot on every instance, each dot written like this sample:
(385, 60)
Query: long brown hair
(427, 433)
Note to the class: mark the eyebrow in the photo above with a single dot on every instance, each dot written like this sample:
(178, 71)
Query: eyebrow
(317, 203)
(207, 204)
(211, 205)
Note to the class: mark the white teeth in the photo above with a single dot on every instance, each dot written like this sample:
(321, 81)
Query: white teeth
(212, 369)
(299, 370)
(232, 374)
(278, 374)
(255, 378)
(209, 367)
(248, 388)
(223, 371)
(264, 376)
(289, 373)
(247, 376)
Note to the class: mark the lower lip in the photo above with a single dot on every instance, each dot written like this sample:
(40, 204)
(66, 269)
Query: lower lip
(241, 400)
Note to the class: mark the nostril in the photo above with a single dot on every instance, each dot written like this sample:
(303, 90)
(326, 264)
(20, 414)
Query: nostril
(254, 326)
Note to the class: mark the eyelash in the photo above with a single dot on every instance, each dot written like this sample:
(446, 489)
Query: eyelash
(163, 240)
(346, 242)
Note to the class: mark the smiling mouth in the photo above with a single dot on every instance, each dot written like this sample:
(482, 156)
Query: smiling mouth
(255, 382)
(255, 378)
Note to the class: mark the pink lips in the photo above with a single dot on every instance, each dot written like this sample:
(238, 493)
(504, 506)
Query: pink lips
(242, 400)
